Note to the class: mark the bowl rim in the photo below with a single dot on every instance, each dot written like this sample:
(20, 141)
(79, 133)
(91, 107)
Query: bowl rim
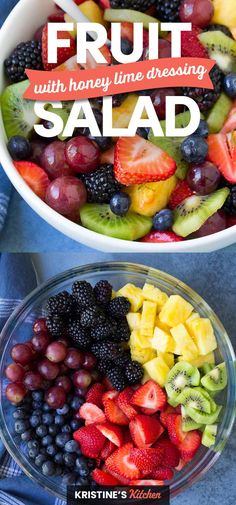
(210, 457)
(73, 230)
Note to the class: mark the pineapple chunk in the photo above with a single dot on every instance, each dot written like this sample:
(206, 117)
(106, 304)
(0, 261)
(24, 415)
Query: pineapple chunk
(138, 340)
(151, 197)
(188, 322)
(224, 12)
(142, 355)
(203, 335)
(158, 370)
(155, 295)
(200, 360)
(183, 341)
(162, 341)
(161, 325)
(134, 295)
(175, 311)
(148, 318)
(168, 358)
(145, 378)
(133, 319)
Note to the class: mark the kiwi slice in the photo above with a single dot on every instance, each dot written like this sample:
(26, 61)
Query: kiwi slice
(216, 379)
(206, 367)
(194, 211)
(193, 397)
(132, 16)
(188, 424)
(209, 398)
(209, 435)
(18, 114)
(179, 377)
(100, 218)
(219, 113)
(221, 48)
(202, 417)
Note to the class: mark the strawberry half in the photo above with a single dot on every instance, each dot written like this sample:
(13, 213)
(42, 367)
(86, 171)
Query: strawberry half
(137, 161)
(63, 53)
(174, 427)
(162, 473)
(191, 45)
(107, 450)
(146, 482)
(120, 462)
(91, 413)
(123, 401)
(146, 459)
(160, 237)
(95, 393)
(90, 439)
(34, 176)
(222, 152)
(114, 414)
(104, 479)
(124, 481)
(165, 413)
(171, 455)
(145, 430)
(190, 445)
(109, 395)
(181, 191)
(150, 396)
(113, 433)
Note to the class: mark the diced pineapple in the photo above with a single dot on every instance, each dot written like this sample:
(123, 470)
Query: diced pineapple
(158, 370)
(168, 357)
(203, 335)
(161, 325)
(188, 322)
(184, 344)
(113, 294)
(146, 377)
(162, 341)
(224, 12)
(175, 311)
(133, 319)
(200, 360)
(138, 340)
(142, 355)
(151, 197)
(154, 294)
(134, 295)
(148, 318)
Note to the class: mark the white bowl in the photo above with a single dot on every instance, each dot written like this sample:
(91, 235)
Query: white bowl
(23, 21)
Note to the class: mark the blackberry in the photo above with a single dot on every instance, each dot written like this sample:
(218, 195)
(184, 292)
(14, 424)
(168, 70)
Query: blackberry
(117, 378)
(102, 331)
(55, 325)
(230, 203)
(134, 372)
(59, 304)
(205, 98)
(101, 184)
(83, 293)
(91, 316)
(122, 333)
(118, 307)
(81, 338)
(123, 360)
(25, 55)
(103, 292)
(137, 5)
(104, 350)
(104, 365)
(168, 10)
(216, 27)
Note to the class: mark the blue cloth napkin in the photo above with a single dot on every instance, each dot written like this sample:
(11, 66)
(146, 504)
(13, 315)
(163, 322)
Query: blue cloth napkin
(18, 278)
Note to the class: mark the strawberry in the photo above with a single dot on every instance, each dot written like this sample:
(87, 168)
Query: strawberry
(165, 413)
(94, 394)
(104, 4)
(63, 53)
(162, 473)
(230, 123)
(191, 45)
(104, 479)
(222, 152)
(34, 176)
(137, 161)
(57, 16)
(127, 31)
(146, 459)
(91, 413)
(107, 450)
(150, 396)
(120, 462)
(181, 465)
(159, 237)
(90, 439)
(114, 414)
(145, 430)
(123, 401)
(109, 395)
(190, 445)
(171, 453)
(174, 427)
(91, 62)
(113, 433)
(146, 482)
(124, 481)
(181, 191)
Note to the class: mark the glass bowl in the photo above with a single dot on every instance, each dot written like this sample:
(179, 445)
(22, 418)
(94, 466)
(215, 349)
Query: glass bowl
(19, 329)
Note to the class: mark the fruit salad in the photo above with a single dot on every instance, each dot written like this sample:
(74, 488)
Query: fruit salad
(116, 388)
(147, 188)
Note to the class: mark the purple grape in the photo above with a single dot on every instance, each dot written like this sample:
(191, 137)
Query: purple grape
(53, 160)
(214, 224)
(203, 178)
(66, 195)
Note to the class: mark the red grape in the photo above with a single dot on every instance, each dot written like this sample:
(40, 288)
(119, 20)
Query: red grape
(66, 195)
(198, 12)
(214, 224)
(40, 326)
(56, 352)
(33, 380)
(40, 342)
(37, 147)
(74, 358)
(158, 98)
(53, 160)
(81, 392)
(55, 397)
(203, 178)
(47, 369)
(21, 353)
(90, 361)
(15, 372)
(164, 50)
(82, 154)
(64, 382)
(16, 392)
(82, 379)
(64, 341)
(63, 368)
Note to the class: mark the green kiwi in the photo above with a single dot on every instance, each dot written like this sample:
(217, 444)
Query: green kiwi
(216, 379)
(18, 114)
(193, 397)
(100, 218)
(188, 424)
(221, 48)
(132, 16)
(179, 377)
(209, 435)
(219, 113)
(202, 417)
(206, 367)
(208, 398)
(194, 211)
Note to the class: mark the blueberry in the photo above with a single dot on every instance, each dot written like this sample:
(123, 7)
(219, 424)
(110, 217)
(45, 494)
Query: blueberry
(84, 482)
(230, 85)
(41, 431)
(120, 203)
(103, 142)
(84, 471)
(47, 419)
(62, 438)
(37, 405)
(33, 443)
(194, 149)
(202, 130)
(81, 462)
(35, 421)
(33, 452)
(20, 413)
(143, 132)
(91, 463)
(71, 446)
(48, 468)
(76, 402)
(126, 46)
(26, 436)
(75, 424)
(64, 410)
(66, 428)
(21, 426)
(59, 419)
(69, 459)
(47, 440)
(36, 412)
(39, 460)
(59, 470)
(38, 395)
(69, 479)
(19, 148)
(58, 458)
(53, 430)
(46, 407)
(51, 450)
(163, 220)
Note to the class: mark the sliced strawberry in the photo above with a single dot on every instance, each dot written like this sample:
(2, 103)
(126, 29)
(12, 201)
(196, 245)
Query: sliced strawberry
(113, 433)
(70, 64)
(104, 4)
(114, 414)
(34, 176)
(90, 439)
(146, 482)
(123, 401)
(109, 395)
(174, 427)
(145, 430)
(159, 237)
(190, 445)
(181, 465)
(57, 16)
(121, 463)
(127, 31)
(191, 45)
(137, 161)
(165, 413)
(91, 413)
(162, 473)
(108, 156)
(171, 453)
(222, 152)
(181, 191)
(121, 478)
(104, 479)
(95, 394)
(150, 396)
(147, 459)
(63, 53)
(107, 450)
(91, 62)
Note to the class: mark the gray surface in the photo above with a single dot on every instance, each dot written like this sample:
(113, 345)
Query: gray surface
(213, 277)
